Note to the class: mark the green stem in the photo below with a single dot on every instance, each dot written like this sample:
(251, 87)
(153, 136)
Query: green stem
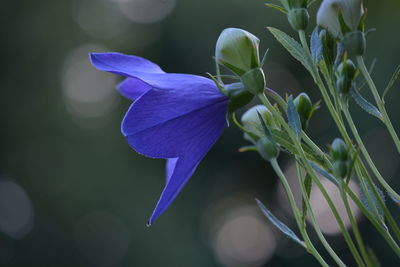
(353, 222)
(296, 212)
(379, 102)
(316, 180)
(314, 221)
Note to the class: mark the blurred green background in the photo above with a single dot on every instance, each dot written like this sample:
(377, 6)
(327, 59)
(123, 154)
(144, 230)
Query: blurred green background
(73, 193)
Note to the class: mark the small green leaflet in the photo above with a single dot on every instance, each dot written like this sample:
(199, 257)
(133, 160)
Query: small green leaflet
(364, 104)
(280, 225)
(293, 117)
(293, 47)
(279, 8)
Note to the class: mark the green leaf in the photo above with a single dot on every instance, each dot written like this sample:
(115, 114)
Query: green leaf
(293, 117)
(293, 47)
(365, 105)
(394, 78)
(308, 186)
(364, 200)
(280, 225)
(324, 173)
(316, 46)
(279, 8)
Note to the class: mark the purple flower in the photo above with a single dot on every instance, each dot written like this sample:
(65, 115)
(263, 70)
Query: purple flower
(173, 116)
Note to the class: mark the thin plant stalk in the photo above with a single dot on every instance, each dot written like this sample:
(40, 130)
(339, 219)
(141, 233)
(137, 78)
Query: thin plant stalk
(292, 201)
(314, 222)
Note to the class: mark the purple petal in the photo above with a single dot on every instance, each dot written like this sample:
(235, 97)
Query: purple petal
(150, 73)
(191, 137)
(161, 124)
(133, 88)
(123, 64)
(171, 163)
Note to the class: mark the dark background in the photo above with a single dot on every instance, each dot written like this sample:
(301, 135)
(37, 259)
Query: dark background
(72, 192)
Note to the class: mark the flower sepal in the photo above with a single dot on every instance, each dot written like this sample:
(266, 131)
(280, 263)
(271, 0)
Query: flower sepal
(238, 96)
(254, 81)
(354, 43)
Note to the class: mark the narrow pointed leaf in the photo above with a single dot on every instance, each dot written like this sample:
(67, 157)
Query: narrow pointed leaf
(279, 8)
(324, 173)
(316, 46)
(365, 105)
(366, 203)
(264, 126)
(392, 81)
(280, 225)
(293, 118)
(293, 47)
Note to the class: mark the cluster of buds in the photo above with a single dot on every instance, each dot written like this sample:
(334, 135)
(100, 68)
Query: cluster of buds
(341, 158)
(344, 19)
(255, 131)
(238, 51)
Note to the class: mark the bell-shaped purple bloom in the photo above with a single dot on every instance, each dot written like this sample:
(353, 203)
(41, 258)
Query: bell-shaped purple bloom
(173, 116)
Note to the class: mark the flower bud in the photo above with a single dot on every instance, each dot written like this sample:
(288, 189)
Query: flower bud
(339, 150)
(328, 15)
(354, 43)
(298, 18)
(237, 50)
(340, 169)
(254, 81)
(340, 158)
(238, 96)
(267, 148)
(304, 108)
(251, 120)
(345, 75)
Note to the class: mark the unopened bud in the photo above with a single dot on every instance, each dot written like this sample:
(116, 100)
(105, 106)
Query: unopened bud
(298, 18)
(267, 148)
(354, 43)
(304, 108)
(339, 150)
(237, 50)
(251, 120)
(345, 75)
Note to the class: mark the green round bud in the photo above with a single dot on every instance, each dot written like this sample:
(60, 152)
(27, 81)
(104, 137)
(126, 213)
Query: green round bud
(251, 120)
(354, 43)
(254, 81)
(340, 169)
(237, 50)
(343, 85)
(345, 74)
(238, 96)
(298, 18)
(304, 107)
(267, 149)
(339, 150)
